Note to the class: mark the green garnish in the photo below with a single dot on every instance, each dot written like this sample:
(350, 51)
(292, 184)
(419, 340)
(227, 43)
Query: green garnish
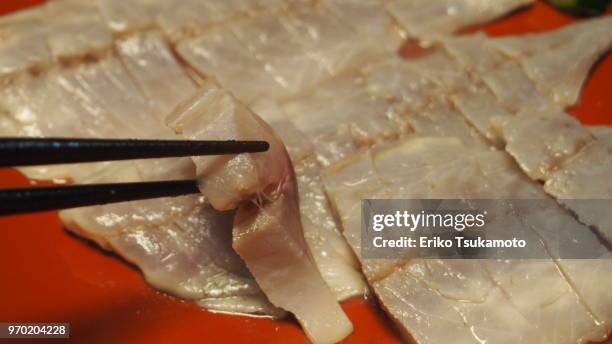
(582, 7)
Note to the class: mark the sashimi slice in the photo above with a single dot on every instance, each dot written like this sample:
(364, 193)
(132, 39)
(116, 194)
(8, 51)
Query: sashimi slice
(220, 55)
(537, 288)
(428, 317)
(149, 60)
(333, 257)
(370, 19)
(267, 232)
(181, 245)
(527, 45)
(586, 177)
(195, 17)
(100, 223)
(76, 37)
(106, 90)
(36, 38)
(473, 52)
(554, 225)
(340, 116)
(331, 253)
(441, 69)
(64, 103)
(415, 82)
(563, 137)
(503, 76)
(439, 119)
(602, 132)
(298, 144)
(347, 182)
(428, 20)
(575, 58)
(335, 44)
(126, 16)
(514, 90)
(546, 300)
(575, 178)
(480, 107)
(415, 85)
(394, 79)
(423, 297)
(573, 49)
(271, 49)
(22, 53)
(269, 39)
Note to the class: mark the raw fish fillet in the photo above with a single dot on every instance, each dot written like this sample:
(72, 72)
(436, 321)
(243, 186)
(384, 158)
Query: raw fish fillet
(573, 49)
(603, 133)
(34, 39)
(371, 19)
(584, 177)
(440, 119)
(414, 82)
(309, 40)
(563, 137)
(22, 53)
(563, 161)
(428, 20)
(267, 230)
(503, 76)
(138, 53)
(69, 103)
(477, 301)
(480, 107)
(171, 240)
(151, 63)
(76, 37)
(181, 244)
(340, 116)
(125, 16)
(349, 95)
(334, 258)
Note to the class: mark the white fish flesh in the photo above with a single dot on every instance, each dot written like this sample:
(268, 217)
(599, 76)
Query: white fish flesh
(332, 110)
(137, 52)
(603, 133)
(311, 41)
(267, 230)
(586, 177)
(172, 239)
(573, 49)
(334, 258)
(564, 137)
(150, 62)
(428, 20)
(371, 20)
(340, 116)
(477, 302)
(565, 158)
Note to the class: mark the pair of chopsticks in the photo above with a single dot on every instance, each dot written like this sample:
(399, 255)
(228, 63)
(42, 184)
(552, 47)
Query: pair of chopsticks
(48, 151)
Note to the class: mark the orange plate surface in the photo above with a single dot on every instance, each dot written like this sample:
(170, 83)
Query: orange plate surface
(47, 275)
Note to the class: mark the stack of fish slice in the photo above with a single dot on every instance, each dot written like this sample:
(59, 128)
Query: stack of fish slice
(347, 119)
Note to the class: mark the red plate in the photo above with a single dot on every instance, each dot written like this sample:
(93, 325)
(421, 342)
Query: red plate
(47, 275)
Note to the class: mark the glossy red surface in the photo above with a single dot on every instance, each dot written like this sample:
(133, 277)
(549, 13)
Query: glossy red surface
(47, 275)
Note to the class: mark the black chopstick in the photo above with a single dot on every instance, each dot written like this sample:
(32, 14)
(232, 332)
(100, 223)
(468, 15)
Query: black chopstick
(26, 200)
(47, 151)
